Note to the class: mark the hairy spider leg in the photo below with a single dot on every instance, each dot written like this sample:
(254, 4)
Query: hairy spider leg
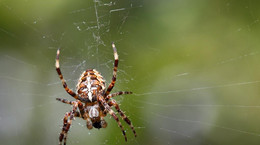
(117, 94)
(123, 116)
(112, 113)
(65, 101)
(65, 127)
(68, 118)
(111, 85)
(65, 121)
(80, 105)
(68, 90)
(82, 113)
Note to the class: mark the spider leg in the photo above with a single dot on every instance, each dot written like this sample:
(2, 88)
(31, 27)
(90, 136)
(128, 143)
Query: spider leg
(89, 123)
(64, 128)
(78, 114)
(124, 117)
(103, 122)
(81, 109)
(65, 101)
(117, 94)
(65, 120)
(68, 90)
(112, 113)
(67, 123)
(80, 105)
(111, 85)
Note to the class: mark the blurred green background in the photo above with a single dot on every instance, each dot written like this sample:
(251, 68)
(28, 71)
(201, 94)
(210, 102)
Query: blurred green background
(194, 68)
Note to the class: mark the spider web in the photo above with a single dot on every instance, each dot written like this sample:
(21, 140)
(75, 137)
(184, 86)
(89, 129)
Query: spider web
(193, 68)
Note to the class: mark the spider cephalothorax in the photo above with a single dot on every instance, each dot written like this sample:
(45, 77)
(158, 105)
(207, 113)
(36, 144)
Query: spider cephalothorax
(93, 100)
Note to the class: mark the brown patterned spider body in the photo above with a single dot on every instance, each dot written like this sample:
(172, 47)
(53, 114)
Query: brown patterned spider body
(93, 100)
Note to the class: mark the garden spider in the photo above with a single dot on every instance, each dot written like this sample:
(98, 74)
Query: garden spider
(93, 100)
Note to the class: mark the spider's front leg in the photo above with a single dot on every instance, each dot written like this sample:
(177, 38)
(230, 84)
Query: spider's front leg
(112, 113)
(123, 116)
(65, 127)
(67, 122)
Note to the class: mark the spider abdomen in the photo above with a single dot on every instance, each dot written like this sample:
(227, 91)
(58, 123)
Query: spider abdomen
(90, 85)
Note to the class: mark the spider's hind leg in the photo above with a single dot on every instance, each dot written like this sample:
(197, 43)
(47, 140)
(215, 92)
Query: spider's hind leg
(65, 86)
(112, 83)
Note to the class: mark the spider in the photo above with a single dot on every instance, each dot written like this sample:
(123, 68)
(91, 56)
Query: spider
(93, 100)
